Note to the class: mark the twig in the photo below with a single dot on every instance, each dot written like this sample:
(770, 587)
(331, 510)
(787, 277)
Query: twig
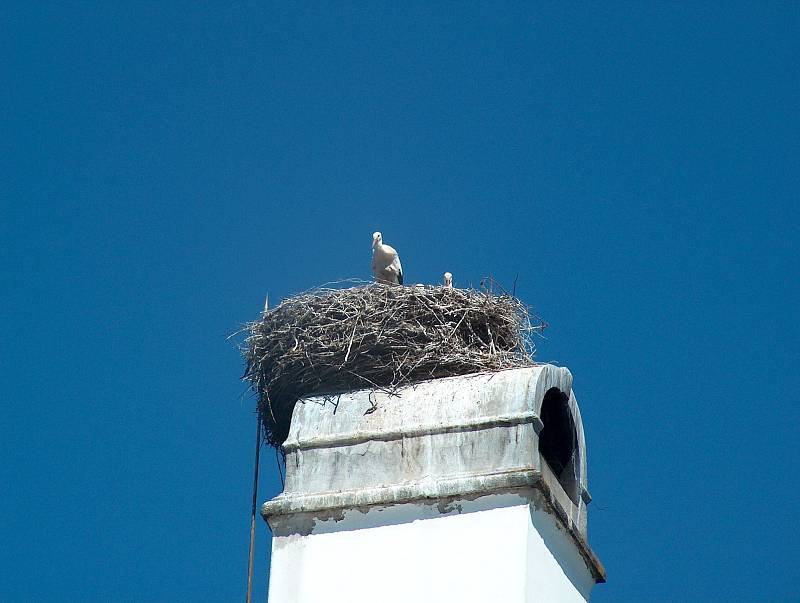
(350, 345)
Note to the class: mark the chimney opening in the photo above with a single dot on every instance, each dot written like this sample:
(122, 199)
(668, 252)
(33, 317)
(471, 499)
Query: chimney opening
(558, 441)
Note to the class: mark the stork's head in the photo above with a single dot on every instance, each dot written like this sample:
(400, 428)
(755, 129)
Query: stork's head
(448, 279)
(376, 238)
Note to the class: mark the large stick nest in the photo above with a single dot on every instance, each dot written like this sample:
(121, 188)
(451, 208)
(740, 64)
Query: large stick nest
(378, 336)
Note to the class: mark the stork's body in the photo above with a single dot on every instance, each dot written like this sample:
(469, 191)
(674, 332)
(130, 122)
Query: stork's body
(386, 267)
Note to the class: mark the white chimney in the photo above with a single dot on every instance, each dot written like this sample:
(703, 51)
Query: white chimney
(461, 489)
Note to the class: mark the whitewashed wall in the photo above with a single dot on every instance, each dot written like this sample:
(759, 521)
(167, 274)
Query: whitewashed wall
(510, 553)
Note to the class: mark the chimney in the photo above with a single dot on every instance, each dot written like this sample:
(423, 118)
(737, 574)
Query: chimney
(469, 488)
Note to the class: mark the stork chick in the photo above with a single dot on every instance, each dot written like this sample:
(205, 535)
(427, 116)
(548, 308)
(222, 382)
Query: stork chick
(447, 281)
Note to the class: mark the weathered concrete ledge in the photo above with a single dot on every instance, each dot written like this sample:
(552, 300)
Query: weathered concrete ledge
(458, 487)
(359, 437)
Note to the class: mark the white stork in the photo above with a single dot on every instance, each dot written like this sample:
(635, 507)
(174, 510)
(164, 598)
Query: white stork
(385, 262)
(447, 281)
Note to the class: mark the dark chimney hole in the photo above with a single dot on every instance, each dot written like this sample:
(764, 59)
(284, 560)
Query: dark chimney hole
(558, 440)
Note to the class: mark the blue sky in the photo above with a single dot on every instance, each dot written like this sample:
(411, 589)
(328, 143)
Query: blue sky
(166, 165)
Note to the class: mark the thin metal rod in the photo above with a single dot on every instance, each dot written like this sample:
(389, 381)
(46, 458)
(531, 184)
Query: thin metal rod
(253, 513)
(280, 470)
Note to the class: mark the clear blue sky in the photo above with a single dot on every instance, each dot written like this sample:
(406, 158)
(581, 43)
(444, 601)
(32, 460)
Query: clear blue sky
(165, 165)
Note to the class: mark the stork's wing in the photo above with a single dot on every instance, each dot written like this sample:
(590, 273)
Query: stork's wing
(396, 265)
(386, 264)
